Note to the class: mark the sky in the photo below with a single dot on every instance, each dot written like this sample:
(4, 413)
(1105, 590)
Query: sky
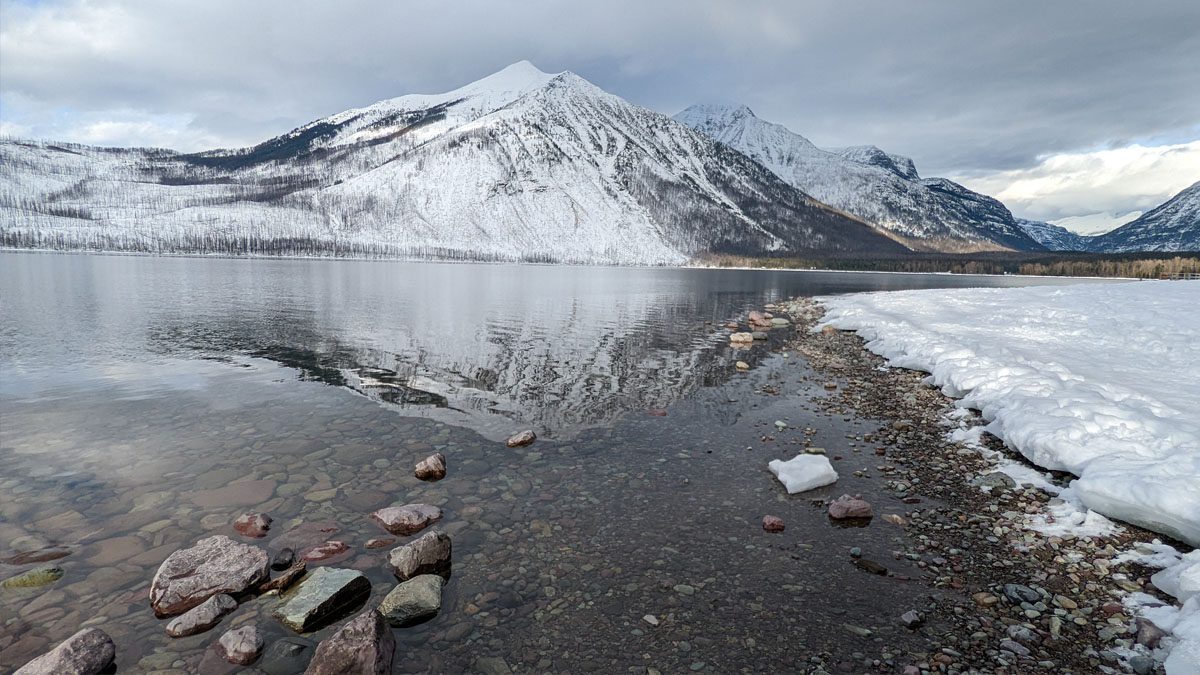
(1080, 113)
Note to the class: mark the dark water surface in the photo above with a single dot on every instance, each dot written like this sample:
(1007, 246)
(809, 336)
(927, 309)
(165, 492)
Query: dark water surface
(146, 402)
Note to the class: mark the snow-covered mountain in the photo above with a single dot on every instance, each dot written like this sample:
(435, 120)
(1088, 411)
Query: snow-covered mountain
(1173, 225)
(881, 188)
(1055, 237)
(521, 165)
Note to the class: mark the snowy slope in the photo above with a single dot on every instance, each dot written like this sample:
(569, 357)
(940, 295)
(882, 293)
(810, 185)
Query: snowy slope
(1055, 237)
(881, 188)
(521, 165)
(1061, 377)
(1172, 226)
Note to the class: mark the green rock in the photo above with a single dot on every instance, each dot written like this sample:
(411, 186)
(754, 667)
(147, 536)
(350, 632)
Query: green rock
(323, 595)
(39, 576)
(414, 600)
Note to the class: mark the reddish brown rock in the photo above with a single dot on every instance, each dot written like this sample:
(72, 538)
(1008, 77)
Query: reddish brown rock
(326, 552)
(379, 543)
(88, 652)
(846, 507)
(431, 468)
(242, 645)
(521, 439)
(758, 319)
(407, 519)
(772, 523)
(656, 412)
(364, 645)
(252, 524)
(429, 554)
(288, 577)
(41, 555)
(305, 535)
(213, 565)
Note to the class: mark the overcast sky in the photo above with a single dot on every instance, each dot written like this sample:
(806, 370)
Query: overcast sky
(1084, 113)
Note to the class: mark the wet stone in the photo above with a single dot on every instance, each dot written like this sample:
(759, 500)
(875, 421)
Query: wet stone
(847, 507)
(430, 554)
(252, 524)
(283, 559)
(242, 645)
(413, 601)
(212, 566)
(408, 519)
(39, 576)
(202, 617)
(1016, 593)
(41, 555)
(287, 656)
(363, 645)
(88, 652)
(521, 439)
(772, 524)
(432, 468)
(321, 597)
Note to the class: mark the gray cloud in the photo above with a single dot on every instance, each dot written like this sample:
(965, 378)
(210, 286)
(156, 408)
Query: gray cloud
(965, 88)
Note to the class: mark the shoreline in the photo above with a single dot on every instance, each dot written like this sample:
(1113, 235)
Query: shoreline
(1080, 616)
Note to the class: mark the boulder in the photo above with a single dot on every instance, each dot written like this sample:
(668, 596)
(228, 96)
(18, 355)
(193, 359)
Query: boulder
(846, 507)
(88, 652)
(431, 468)
(759, 319)
(364, 646)
(202, 617)
(430, 554)
(407, 519)
(413, 601)
(252, 524)
(242, 645)
(322, 596)
(214, 565)
(521, 439)
(772, 523)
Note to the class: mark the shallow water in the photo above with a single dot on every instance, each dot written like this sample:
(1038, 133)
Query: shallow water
(146, 402)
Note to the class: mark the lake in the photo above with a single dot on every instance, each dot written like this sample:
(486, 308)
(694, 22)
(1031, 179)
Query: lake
(145, 402)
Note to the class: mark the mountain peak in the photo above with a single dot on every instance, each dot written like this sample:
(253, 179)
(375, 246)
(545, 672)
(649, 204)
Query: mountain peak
(715, 115)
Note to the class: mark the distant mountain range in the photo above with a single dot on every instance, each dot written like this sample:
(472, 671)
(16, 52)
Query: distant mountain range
(520, 165)
(1174, 225)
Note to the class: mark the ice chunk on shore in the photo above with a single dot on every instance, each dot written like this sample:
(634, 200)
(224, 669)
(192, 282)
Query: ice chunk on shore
(1099, 380)
(803, 472)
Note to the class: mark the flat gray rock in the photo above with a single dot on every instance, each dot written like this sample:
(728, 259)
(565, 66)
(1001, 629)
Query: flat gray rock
(364, 645)
(407, 519)
(242, 645)
(322, 596)
(87, 652)
(202, 617)
(212, 566)
(413, 601)
(429, 554)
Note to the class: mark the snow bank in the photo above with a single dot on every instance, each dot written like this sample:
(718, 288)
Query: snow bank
(1100, 380)
(1179, 577)
(803, 472)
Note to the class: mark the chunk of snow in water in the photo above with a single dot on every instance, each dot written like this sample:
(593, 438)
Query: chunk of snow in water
(1179, 577)
(803, 472)
(1100, 380)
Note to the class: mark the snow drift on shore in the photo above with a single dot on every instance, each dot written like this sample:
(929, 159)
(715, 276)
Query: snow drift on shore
(1101, 380)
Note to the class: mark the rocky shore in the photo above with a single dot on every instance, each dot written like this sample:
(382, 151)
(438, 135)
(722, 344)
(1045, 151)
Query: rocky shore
(1023, 601)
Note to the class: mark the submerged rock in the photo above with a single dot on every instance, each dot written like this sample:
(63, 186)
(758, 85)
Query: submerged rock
(772, 523)
(364, 645)
(287, 656)
(88, 652)
(521, 439)
(413, 601)
(202, 617)
(283, 559)
(407, 519)
(39, 576)
(847, 507)
(322, 596)
(430, 554)
(41, 555)
(252, 524)
(214, 565)
(242, 645)
(431, 468)
(326, 551)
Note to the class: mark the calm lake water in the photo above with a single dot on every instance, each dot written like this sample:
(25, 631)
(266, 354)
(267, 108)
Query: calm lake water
(146, 402)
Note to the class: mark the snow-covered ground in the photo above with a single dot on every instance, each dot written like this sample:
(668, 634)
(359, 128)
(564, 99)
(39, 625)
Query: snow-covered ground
(1101, 380)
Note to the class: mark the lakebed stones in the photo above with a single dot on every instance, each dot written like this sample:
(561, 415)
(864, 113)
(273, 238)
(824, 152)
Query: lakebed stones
(252, 524)
(364, 645)
(413, 601)
(242, 645)
(326, 551)
(429, 554)
(521, 439)
(407, 519)
(772, 523)
(212, 566)
(88, 652)
(41, 555)
(431, 468)
(202, 617)
(39, 576)
(322, 596)
(287, 656)
(850, 508)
